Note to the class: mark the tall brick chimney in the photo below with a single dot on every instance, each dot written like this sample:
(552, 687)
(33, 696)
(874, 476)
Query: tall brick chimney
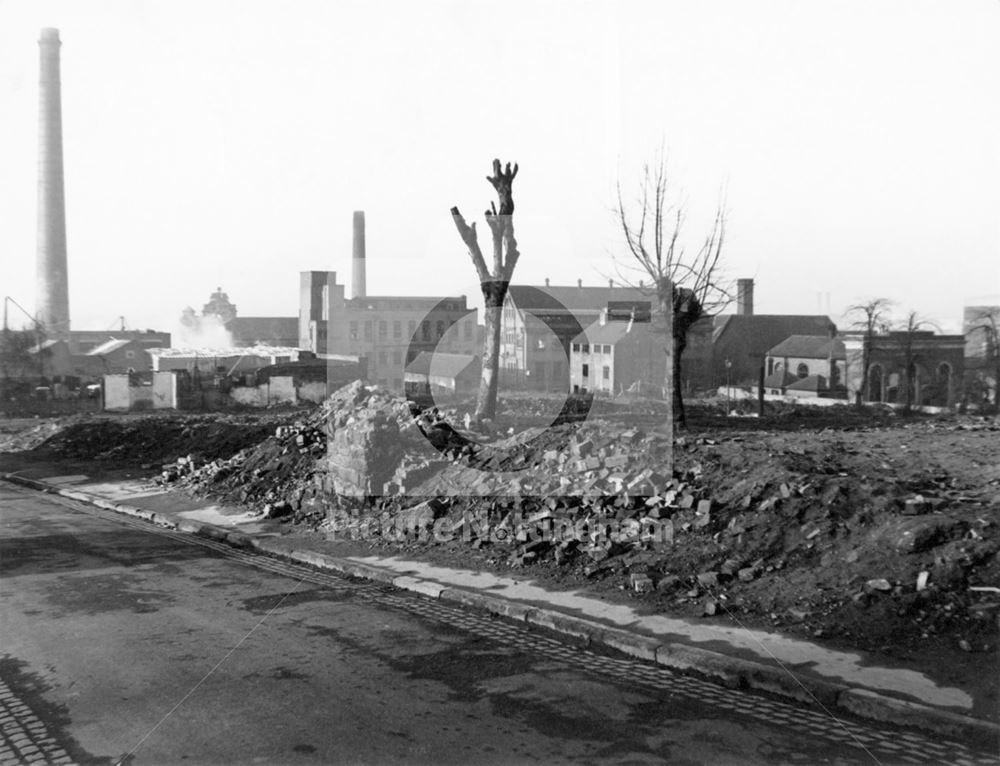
(744, 297)
(52, 278)
(358, 258)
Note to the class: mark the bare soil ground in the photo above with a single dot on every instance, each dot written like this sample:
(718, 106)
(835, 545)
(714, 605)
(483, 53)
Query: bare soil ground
(862, 530)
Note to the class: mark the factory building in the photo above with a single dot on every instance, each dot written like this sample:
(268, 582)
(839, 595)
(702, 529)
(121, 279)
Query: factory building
(387, 331)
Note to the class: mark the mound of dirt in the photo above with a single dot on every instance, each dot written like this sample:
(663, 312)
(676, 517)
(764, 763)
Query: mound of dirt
(880, 532)
(153, 439)
(871, 530)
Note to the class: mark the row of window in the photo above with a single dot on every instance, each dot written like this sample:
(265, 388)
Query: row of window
(598, 348)
(397, 329)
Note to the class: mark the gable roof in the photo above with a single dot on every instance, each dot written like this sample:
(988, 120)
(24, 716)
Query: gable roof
(535, 298)
(809, 347)
(441, 365)
(764, 331)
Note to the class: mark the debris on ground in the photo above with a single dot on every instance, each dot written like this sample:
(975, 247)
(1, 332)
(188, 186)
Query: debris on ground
(866, 528)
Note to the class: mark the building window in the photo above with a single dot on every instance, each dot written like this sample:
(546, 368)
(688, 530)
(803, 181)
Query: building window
(353, 331)
(382, 358)
(383, 329)
(606, 372)
(802, 370)
(368, 329)
(425, 330)
(585, 348)
(586, 370)
(576, 346)
(440, 330)
(557, 370)
(397, 329)
(607, 349)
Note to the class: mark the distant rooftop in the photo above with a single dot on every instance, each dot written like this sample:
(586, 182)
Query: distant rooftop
(167, 353)
(107, 347)
(580, 298)
(809, 347)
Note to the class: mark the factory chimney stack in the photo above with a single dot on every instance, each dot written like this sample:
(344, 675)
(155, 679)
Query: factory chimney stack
(358, 260)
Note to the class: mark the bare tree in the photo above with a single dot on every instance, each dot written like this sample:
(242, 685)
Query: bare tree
(687, 286)
(871, 317)
(908, 328)
(987, 323)
(493, 284)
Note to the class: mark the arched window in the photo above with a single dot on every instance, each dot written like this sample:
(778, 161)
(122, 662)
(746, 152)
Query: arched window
(802, 370)
(942, 385)
(875, 383)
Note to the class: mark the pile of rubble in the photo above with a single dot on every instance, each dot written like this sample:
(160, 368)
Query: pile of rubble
(874, 532)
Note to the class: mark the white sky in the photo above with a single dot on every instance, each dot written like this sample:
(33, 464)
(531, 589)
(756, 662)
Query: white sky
(226, 143)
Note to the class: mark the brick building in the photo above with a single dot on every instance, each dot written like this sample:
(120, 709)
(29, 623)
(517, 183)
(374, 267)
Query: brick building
(539, 322)
(930, 366)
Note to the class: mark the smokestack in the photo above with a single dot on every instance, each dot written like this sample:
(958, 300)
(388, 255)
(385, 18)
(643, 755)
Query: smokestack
(358, 262)
(744, 297)
(52, 279)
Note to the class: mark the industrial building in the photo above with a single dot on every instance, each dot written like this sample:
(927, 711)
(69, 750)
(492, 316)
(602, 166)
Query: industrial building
(387, 331)
(64, 355)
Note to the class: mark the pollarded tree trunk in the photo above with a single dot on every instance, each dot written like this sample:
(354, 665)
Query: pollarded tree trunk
(494, 283)
(494, 294)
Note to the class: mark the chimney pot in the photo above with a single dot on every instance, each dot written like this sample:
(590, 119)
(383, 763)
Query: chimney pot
(546, 281)
(579, 283)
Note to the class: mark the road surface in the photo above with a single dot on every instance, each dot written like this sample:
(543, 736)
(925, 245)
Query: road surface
(124, 643)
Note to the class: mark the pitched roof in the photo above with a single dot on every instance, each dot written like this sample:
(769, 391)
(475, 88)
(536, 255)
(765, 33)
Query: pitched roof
(766, 330)
(610, 332)
(441, 365)
(45, 344)
(778, 379)
(557, 298)
(809, 347)
(809, 383)
(107, 347)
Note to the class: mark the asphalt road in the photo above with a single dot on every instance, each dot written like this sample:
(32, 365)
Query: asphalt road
(120, 642)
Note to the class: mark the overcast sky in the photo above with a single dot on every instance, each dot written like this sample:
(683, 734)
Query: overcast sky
(226, 143)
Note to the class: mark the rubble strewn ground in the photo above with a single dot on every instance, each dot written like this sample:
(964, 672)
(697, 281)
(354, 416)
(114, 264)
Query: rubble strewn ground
(861, 529)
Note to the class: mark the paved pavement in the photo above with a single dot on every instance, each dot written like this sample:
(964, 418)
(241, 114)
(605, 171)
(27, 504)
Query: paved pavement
(816, 733)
